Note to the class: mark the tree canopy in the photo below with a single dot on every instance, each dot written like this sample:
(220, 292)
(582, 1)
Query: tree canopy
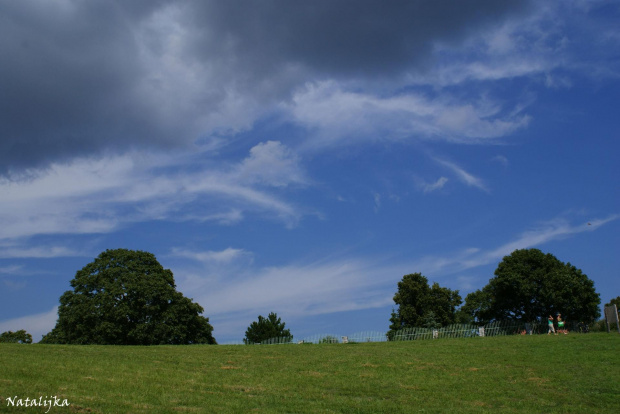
(18, 337)
(529, 285)
(421, 305)
(266, 328)
(614, 301)
(125, 297)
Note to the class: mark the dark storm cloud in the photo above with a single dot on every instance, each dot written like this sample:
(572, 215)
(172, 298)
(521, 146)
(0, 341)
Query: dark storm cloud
(348, 37)
(64, 76)
(78, 77)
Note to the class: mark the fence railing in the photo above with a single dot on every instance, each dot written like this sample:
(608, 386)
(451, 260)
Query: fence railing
(468, 331)
(496, 328)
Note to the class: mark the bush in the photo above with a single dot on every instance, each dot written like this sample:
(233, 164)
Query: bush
(601, 326)
(19, 337)
(329, 339)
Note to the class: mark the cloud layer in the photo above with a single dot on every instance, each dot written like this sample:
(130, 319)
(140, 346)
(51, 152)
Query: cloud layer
(89, 76)
(99, 195)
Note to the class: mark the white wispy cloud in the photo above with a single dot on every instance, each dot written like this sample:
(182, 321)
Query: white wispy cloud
(475, 257)
(273, 164)
(429, 187)
(234, 215)
(537, 47)
(464, 176)
(337, 116)
(10, 269)
(14, 285)
(552, 230)
(219, 257)
(377, 199)
(300, 290)
(99, 195)
(39, 252)
(527, 47)
(501, 160)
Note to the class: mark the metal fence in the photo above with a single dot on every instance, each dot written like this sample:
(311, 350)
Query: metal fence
(497, 328)
(468, 331)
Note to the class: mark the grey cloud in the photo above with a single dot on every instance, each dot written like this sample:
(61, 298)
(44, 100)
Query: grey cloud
(65, 78)
(77, 78)
(347, 37)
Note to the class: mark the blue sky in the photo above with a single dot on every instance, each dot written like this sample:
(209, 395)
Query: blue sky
(301, 157)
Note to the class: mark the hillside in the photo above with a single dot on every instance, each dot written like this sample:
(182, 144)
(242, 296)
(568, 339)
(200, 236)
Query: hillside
(540, 373)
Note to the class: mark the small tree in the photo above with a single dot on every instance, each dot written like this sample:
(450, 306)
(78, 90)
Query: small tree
(266, 328)
(126, 297)
(19, 337)
(429, 320)
(420, 305)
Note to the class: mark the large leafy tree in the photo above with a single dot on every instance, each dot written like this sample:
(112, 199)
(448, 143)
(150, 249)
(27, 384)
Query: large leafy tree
(529, 285)
(126, 297)
(421, 305)
(266, 328)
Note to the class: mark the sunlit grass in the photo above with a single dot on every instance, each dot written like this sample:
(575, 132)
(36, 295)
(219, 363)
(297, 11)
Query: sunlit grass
(568, 374)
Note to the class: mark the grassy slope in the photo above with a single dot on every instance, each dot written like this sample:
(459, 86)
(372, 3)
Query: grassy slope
(574, 373)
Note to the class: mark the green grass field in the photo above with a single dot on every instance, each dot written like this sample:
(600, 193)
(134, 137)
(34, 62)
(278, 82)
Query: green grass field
(540, 373)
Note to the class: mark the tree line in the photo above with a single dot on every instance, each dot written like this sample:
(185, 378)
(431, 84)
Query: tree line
(528, 286)
(125, 297)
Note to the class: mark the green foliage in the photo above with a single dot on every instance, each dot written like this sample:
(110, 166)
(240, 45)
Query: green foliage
(476, 305)
(601, 326)
(614, 301)
(19, 337)
(267, 328)
(420, 304)
(429, 320)
(528, 285)
(329, 339)
(126, 297)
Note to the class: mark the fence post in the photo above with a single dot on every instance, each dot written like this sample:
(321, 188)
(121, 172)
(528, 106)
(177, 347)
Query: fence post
(481, 331)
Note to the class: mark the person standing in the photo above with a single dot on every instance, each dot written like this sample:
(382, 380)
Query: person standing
(550, 322)
(561, 325)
